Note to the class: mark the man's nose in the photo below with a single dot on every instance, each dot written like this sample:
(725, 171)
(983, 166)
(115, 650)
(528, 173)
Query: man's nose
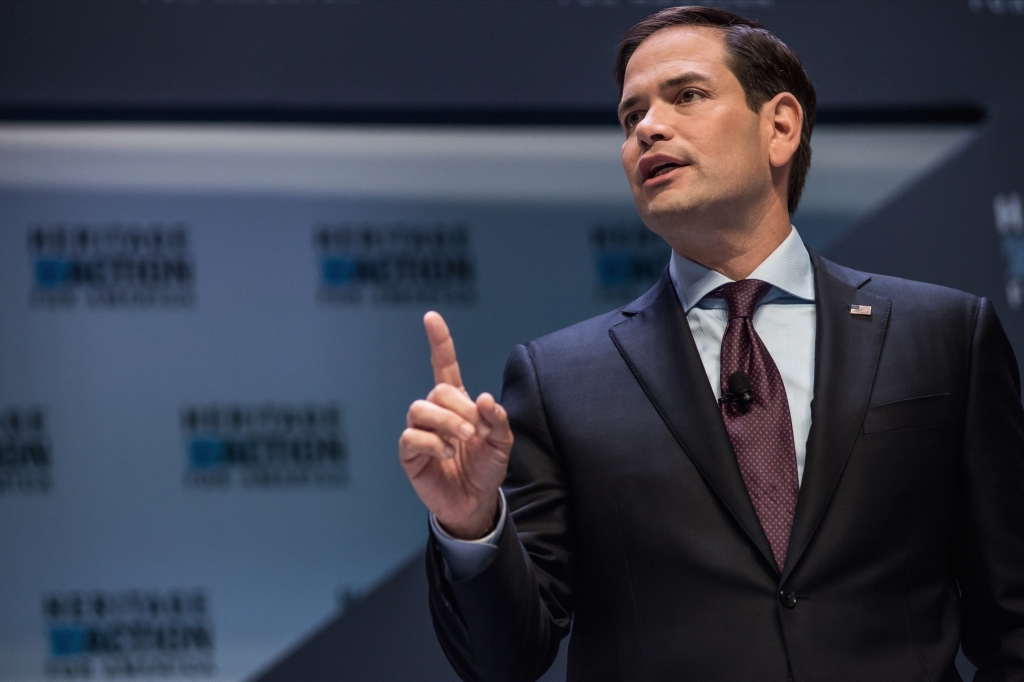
(653, 127)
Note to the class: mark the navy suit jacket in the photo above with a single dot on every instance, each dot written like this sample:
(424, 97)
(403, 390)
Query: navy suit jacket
(628, 517)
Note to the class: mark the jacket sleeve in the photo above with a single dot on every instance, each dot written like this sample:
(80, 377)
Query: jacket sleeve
(506, 622)
(989, 533)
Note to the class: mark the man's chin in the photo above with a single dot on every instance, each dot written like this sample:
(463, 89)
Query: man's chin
(667, 210)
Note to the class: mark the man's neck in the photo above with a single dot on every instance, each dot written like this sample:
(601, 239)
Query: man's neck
(733, 252)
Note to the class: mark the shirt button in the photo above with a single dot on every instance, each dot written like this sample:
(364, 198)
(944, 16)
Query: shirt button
(788, 599)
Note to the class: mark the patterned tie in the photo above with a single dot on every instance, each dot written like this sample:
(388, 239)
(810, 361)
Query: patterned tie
(761, 432)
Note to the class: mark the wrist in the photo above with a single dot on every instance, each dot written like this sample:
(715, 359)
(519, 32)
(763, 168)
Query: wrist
(478, 525)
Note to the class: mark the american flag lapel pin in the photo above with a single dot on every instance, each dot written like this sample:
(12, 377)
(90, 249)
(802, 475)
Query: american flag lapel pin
(864, 310)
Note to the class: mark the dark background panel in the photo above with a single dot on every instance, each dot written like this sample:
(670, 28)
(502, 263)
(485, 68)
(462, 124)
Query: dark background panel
(540, 59)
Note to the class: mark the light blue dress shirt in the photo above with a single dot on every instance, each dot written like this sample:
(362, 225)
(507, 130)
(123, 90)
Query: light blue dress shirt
(785, 320)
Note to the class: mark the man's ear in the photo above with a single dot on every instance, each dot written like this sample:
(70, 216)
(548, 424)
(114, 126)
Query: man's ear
(786, 117)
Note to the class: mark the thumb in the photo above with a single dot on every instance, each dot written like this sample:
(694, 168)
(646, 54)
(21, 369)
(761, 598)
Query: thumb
(494, 426)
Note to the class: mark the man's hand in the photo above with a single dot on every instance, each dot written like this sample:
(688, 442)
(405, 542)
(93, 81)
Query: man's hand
(455, 451)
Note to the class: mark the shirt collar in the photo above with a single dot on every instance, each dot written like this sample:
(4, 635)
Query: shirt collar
(788, 269)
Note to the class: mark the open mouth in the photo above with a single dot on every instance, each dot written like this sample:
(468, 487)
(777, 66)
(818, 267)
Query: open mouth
(663, 168)
(653, 166)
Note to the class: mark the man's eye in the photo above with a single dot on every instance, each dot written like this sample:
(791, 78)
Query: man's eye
(689, 96)
(632, 119)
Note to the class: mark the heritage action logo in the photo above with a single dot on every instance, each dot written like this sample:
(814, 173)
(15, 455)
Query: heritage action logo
(128, 634)
(395, 264)
(264, 446)
(25, 455)
(111, 265)
(1009, 216)
(628, 260)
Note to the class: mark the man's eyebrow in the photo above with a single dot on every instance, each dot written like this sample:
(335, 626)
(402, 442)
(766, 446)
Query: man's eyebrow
(688, 78)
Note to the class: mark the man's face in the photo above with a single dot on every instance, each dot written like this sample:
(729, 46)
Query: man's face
(693, 147)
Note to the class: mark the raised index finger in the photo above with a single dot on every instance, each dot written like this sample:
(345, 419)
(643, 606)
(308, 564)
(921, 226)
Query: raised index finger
(442, 351)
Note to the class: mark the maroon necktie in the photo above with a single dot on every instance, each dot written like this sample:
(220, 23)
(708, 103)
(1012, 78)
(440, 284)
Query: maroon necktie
(761, 431)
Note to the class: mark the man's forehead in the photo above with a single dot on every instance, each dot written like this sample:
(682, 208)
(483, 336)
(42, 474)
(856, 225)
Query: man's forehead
(675, 50)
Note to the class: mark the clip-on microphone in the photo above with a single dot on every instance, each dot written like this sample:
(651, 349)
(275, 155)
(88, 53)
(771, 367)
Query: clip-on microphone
(739, 393)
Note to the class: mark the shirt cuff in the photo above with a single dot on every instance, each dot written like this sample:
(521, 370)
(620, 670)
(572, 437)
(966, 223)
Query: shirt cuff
(467, 559)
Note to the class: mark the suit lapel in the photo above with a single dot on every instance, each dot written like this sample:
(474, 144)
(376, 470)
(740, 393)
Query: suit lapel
(656, 342)
(847, 348)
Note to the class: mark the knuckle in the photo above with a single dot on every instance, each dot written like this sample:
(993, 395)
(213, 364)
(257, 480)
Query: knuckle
(445, 395)
(419, 409)
(407, 439)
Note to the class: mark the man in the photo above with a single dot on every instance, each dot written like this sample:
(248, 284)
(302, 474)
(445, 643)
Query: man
(768, 467)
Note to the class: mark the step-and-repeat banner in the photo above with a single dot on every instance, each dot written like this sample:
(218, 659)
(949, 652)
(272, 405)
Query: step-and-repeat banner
(201, 396)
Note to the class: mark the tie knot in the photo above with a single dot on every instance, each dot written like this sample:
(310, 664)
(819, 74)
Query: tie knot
(742, 296)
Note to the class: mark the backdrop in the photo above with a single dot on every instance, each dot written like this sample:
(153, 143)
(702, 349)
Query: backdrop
(210, 332)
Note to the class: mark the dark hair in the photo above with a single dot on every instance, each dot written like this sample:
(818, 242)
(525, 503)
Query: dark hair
(763, 64)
